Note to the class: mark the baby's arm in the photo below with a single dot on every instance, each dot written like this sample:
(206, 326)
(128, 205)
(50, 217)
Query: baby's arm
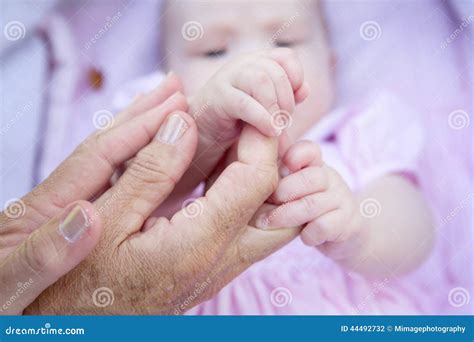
(401, 235)
(393, 238)
(260, 89)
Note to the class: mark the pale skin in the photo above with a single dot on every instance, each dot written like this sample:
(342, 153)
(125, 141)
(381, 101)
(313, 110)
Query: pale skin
(313, 196)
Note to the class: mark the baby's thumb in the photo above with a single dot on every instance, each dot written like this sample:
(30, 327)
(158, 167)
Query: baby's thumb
(49, 253)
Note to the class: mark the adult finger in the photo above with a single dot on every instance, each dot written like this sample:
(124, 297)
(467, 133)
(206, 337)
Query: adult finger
(47, 254)
(152, 175)
(250, 246)
(99, 156)
(237, 193)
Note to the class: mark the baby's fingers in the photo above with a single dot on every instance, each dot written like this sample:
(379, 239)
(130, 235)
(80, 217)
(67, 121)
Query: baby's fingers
(298, 212)
(324, 228)
(302, 183)
(302, 154)
(281, 82)
(290, 62)
(246, 108)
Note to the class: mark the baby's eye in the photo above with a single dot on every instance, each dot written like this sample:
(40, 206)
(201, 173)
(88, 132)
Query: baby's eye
(215, 53)
(284, 43)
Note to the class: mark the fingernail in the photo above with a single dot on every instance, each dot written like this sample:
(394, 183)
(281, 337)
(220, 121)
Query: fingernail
(262, 221)
(74, 225)
(172, 129)
(284, 171)
(169, 74)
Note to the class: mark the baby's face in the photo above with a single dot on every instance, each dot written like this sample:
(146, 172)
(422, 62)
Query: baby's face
(230, 28)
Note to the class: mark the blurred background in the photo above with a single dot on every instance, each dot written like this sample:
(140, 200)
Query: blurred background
(63, 62)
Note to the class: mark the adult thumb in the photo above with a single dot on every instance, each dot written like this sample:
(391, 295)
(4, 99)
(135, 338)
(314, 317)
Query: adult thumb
(47, 254)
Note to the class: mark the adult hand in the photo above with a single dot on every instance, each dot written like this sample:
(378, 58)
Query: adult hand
(50, 230)
(178, 263)
(174, 264)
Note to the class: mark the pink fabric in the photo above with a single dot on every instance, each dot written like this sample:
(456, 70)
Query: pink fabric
(423, 52)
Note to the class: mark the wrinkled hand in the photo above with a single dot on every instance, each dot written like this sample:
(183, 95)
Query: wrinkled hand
(174, 264)
(51, 229)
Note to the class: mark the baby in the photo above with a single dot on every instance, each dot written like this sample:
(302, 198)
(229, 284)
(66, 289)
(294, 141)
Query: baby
(351, 187)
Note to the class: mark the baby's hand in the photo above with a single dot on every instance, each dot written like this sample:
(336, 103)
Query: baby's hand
(256, 88)
(316, 197)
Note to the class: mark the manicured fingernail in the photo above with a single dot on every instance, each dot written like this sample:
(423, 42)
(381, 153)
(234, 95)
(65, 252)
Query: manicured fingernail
(172, 129)
(74, 225)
